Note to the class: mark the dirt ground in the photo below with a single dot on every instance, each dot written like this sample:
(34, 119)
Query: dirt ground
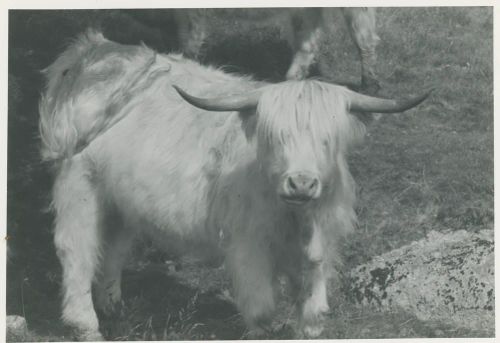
(428, 169)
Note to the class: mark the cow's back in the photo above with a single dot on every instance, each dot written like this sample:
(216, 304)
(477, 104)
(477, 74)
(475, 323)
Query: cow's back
(155, 157)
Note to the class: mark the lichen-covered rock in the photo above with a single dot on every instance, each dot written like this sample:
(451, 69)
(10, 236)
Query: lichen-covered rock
(17, 329)
(446, 277)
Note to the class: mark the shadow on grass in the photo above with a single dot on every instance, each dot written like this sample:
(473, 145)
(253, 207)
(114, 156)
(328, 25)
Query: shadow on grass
(159, 307)
(156, 306)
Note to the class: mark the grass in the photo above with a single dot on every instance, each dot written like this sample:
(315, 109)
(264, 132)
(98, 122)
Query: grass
(428, 169)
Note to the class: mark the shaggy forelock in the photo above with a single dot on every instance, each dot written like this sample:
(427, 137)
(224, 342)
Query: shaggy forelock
(290, 110)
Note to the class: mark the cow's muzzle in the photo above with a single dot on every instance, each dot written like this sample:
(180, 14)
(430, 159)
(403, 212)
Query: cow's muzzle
(300, 187)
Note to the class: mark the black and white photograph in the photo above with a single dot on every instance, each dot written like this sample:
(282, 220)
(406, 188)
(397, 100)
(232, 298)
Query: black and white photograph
(242, 172)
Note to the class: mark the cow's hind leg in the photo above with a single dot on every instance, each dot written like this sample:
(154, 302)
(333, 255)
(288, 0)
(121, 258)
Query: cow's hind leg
(78, 217)
(304, 38)
(191, 31)
(362, 28)
(115, 251)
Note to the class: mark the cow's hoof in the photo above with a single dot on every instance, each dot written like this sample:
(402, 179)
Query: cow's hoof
(312, 331)
(259, 331)
(89, 336)
(256, 334)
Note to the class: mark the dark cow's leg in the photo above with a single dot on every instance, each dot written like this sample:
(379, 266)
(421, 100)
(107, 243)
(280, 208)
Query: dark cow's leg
(192, 31)
(362, 27)
(304, 37)
(77, 241)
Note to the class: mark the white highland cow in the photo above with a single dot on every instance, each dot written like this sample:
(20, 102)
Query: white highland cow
(256, 171)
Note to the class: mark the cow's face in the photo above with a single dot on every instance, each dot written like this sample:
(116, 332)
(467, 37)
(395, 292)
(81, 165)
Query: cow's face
(296, 145)
(297, 165)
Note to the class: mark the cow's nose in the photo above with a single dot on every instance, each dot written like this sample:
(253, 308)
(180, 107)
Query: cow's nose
(301, 187)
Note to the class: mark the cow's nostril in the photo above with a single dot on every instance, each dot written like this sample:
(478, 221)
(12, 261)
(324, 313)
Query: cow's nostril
(292, 184)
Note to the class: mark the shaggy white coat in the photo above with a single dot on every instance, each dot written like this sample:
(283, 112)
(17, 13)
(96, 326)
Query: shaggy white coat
(131, 154)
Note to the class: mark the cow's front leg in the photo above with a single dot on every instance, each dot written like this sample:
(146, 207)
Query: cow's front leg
(250, 267)
(313, 303)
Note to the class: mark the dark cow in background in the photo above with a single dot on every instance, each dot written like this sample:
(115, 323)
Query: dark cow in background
(302, 28)
(251, 170)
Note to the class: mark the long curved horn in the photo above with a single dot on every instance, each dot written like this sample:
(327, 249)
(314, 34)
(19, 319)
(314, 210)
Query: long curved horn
(229, 103)
(365, 103)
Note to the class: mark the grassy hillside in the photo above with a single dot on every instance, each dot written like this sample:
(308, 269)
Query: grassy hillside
(428, 169)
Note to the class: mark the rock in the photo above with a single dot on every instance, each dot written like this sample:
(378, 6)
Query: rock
(17, 329)
(446, 277)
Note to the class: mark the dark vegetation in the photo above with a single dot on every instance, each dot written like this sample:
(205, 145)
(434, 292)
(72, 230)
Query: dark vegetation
(429, 169)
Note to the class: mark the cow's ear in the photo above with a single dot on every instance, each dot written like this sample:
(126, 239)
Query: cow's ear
(248, 123)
